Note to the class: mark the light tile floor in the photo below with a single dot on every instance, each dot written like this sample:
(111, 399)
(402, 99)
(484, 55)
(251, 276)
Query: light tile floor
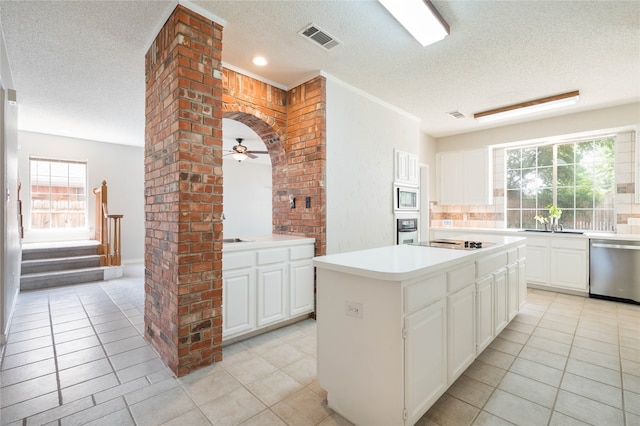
(76, 355)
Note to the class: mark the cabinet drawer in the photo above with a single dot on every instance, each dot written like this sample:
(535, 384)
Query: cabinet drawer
(461, 277)
(424, 292)
(302, 252)
(272, 256)
(538, 242)
(570, 243)
(513, 255)
(491, 263)
(238, 260)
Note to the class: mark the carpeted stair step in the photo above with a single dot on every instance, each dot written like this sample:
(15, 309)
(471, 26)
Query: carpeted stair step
(59, 264)
(37, 281)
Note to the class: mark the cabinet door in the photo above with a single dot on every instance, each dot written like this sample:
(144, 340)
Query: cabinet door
(271, 300)
(485, 328)
(537, 269)
(406, 168)
(461, 335)
(425, 369)
(238, 301)
(301, 295)
(476, 177)
(500, 299)
(512, 289)
(450, 178)
(413, 171)
(569, 269)
(522, 282)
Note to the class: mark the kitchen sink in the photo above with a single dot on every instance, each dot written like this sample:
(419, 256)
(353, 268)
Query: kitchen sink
(552, 232)
(235, 240)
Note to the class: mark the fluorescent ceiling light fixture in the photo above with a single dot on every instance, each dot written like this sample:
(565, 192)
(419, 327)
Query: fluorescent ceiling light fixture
(420, 18)
(260, 61)
(529, 107)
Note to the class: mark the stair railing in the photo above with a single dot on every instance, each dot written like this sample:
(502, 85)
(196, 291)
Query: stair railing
(107, 230)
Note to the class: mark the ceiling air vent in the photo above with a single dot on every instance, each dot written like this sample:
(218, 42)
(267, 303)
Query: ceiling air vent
(320, 36)
(456, 114)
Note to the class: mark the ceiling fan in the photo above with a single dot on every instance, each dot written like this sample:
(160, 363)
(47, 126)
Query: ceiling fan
(240, 152)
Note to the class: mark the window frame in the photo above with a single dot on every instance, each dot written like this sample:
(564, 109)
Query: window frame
(68, 211)
(608, 210)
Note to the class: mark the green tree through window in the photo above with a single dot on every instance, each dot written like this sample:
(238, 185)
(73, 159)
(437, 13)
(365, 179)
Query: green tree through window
(578, 177)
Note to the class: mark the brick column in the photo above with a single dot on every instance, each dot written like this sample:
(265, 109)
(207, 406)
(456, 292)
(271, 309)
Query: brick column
(183, 192)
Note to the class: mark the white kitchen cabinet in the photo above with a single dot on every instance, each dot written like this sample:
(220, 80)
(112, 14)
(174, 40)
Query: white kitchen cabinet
(522, 282)
(238, 296)
(569, 263)
(425, 369)
(406, 168)
(450, 178)
(301, 293)
(265, 286)
(538, 260)
(500, 299)
(461, 334)
(272, 293)
(464, 177)
(485, 316)
(558, 262)
(512, 292)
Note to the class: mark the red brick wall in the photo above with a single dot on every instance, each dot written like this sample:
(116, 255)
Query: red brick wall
(293, 126)
(183, 179)
(183, 192)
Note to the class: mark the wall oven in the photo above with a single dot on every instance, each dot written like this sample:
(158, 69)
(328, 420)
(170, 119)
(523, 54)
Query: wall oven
(407, 230)
(406, 198)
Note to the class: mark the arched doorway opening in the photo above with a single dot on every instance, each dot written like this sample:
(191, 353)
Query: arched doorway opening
(247, 184)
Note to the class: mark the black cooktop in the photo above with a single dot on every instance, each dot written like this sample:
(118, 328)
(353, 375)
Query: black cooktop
(455, 244)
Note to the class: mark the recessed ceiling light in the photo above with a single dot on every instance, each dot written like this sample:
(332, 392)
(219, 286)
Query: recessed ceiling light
(260, 61)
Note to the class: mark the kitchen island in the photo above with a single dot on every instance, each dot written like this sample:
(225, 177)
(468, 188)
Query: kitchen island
(398, 325)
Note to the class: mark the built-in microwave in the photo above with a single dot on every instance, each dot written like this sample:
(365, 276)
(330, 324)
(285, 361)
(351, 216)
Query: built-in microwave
(406, 198)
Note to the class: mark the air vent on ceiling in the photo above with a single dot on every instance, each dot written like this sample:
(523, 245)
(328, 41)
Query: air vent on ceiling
(320, 36)
(456, 114)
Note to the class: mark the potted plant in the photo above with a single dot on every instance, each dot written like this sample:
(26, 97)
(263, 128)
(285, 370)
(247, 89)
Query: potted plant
(554, 217)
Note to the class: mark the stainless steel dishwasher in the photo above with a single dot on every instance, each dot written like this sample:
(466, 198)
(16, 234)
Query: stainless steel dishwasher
(614, 270)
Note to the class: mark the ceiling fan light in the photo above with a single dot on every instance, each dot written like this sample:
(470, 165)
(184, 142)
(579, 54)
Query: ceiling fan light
(239, 156)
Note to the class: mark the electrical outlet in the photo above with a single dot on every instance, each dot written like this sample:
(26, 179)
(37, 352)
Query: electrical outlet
(353, 309)
(464, 217)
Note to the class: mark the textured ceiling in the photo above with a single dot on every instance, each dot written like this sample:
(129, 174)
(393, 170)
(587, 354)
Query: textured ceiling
(78, 66)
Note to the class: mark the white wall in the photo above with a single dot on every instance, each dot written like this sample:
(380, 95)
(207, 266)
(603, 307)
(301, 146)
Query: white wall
(361, 136)
(10, 252)
(121, 166)
(247, 198)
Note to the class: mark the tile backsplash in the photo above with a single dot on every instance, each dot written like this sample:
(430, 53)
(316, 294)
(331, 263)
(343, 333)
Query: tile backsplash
(493, 216)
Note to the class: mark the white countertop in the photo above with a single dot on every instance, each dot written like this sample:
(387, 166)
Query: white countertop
(250, 242)
(403, 262)
(588, 234)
